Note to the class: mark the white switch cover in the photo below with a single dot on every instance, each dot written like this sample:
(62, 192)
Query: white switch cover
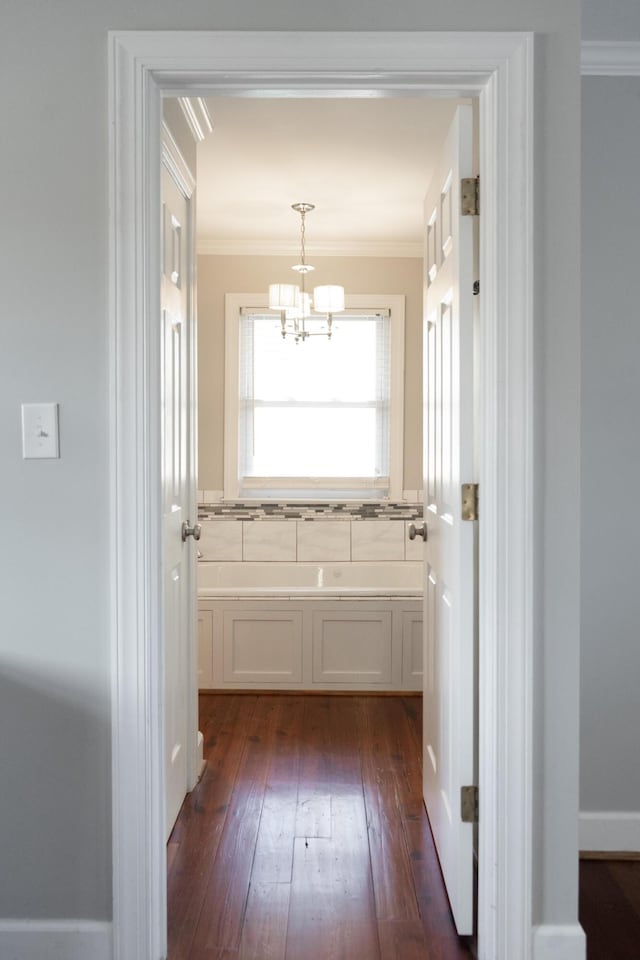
(40, 436)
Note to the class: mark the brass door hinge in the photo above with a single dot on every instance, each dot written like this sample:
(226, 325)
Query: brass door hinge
(470, 196)
(469, 501)
(469, 804)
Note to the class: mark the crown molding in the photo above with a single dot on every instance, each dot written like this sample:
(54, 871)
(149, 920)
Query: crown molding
(173, 159)
(197, 115)
(610, 58)
(284, 248)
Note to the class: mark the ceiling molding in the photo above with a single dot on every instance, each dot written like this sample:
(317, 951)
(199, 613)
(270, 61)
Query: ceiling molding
(197, 115)
(174, 161)
(284, 248)
(616, 58)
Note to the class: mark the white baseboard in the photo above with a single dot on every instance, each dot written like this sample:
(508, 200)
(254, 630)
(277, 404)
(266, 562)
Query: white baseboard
(559, 942)
(609, 830)
(615, 58)
(55, 940)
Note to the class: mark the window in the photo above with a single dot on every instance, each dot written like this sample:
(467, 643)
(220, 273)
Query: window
(316, 419)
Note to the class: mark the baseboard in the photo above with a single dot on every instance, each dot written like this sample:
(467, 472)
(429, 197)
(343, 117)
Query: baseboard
(615, 58)
(555, 942)
(609, 830)
(55, 940)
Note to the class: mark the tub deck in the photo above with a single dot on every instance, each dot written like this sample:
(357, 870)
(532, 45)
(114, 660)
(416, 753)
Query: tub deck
(366, 579)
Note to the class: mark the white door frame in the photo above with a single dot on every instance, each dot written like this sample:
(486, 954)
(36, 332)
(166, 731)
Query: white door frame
(498, 68)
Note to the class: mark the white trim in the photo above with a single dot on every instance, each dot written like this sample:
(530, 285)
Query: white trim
(196, 113)
(559, 942)
(284, 248)
(55, 940)
(138, 778)
(506, 558)
(176, 164)
(609, 830)
(499, 68)
(395, 303)
(616, 58)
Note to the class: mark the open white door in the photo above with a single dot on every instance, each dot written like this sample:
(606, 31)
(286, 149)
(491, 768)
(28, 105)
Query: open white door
(449, 621)
(178, 492)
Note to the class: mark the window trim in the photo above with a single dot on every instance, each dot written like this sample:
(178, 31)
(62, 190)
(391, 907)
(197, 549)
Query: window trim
(395, 304)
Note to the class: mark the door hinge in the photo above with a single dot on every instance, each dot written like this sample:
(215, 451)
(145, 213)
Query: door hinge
(470, 196)
(469, 501)
(469, 804)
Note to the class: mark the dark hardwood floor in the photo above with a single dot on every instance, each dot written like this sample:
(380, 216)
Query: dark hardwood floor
(306, 838)
(610, 908)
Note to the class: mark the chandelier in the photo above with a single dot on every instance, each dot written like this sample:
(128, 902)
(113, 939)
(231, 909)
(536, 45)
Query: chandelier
(299, 310)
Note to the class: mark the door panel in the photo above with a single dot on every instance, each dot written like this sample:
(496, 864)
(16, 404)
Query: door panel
(175, 491)
(449, 618)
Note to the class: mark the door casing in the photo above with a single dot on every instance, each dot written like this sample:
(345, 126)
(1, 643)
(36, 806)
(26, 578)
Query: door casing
(498, 69)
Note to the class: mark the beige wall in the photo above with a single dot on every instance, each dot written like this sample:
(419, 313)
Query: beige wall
(218, 275)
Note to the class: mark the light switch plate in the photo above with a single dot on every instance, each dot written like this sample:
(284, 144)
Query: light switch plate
(40, 435)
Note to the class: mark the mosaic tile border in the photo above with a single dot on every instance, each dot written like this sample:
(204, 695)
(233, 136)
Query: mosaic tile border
(281, 510)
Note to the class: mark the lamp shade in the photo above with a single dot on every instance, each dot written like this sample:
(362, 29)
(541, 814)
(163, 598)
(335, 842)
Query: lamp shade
(283, 296)
(302, 308)
(328, 299)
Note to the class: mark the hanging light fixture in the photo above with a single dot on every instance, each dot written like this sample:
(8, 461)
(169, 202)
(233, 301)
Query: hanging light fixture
(295, 304)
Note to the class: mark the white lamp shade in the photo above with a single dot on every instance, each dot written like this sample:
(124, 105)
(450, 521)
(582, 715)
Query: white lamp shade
(283, 296)
(328, 299)
(301, 309)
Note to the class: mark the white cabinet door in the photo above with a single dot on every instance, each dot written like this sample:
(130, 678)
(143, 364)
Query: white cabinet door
(178, 487)
(448, 762)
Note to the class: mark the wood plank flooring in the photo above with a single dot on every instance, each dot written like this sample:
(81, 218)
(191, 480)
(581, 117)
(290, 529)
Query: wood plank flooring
(610, 908)
(306, 838)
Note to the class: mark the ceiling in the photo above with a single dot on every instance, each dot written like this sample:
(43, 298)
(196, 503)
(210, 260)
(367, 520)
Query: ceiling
(364, 163)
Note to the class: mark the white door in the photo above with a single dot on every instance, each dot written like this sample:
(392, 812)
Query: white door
(178, 494)
(448, 737)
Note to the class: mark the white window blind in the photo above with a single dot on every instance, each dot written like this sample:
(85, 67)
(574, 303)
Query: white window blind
(314, 415)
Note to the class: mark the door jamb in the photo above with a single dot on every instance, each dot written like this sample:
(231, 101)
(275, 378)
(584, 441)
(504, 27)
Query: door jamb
(498, 68)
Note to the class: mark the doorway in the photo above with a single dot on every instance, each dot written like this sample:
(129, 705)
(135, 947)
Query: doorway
(371, 161)
(144, 64)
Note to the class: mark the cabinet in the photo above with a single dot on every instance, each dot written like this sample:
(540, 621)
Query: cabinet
(308, 643)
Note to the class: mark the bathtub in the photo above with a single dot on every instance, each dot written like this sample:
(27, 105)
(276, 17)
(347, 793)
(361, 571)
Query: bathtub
(310, 626)
(366, 579)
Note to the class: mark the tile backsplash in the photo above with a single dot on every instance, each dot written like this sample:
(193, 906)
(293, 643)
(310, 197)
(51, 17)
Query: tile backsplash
(306, 510)
(318, 532)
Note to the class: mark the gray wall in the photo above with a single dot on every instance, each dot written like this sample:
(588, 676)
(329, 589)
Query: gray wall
(610, 608)
(54, 649)
(611, 20)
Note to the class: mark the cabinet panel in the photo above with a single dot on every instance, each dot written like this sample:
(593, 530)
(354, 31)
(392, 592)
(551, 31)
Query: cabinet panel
(205, 649)
(352, 647)
(262, 646)
(412, 650)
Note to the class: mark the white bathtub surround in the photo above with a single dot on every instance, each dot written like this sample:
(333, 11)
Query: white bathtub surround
(329, 626)
(220, 540)
(377, 540)
(323, 540)
(283, 580)
(268, 540)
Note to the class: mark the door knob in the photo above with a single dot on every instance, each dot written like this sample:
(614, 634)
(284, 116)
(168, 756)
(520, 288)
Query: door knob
(420, 531)
(193, 531)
